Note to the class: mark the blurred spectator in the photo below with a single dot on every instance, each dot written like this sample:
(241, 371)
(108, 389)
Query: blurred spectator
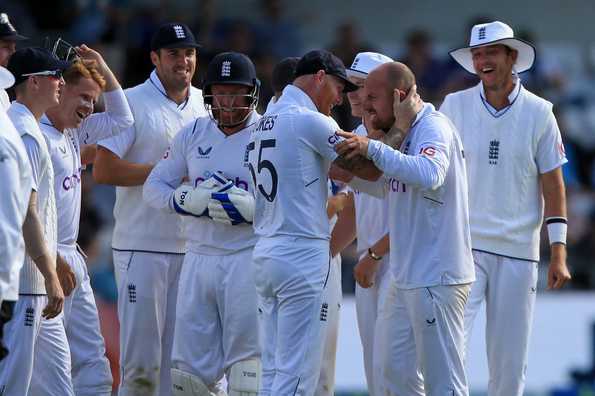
(430, 73)
(278, 35)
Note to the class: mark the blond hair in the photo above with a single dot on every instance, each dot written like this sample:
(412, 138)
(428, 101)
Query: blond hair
(84, 68)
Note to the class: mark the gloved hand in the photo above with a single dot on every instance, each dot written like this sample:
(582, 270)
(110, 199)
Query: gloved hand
(191, 201)
(234, 206)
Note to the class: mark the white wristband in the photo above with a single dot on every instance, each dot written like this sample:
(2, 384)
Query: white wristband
(557, 228)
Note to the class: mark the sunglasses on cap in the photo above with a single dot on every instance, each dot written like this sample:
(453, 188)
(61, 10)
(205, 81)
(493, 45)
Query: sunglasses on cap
(47, 73)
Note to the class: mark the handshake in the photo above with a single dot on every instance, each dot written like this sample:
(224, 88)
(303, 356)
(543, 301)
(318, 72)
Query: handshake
(217, 198)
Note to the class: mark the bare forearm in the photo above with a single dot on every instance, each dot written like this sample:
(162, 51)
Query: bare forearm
(34, 241)
(381, 247)
(344, 232)
(359, 166)
(110, 169)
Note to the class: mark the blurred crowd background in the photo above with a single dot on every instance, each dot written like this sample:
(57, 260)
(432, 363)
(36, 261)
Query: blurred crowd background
(269, 30)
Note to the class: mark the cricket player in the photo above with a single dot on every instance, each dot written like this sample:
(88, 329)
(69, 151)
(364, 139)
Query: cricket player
(216, 307)
(66, 127)
(371, 226)
(35, 336)
(514, 154)
(148, 245)
(290, 153)
(431, 263)
(15, 172)
(283, 75)
(8, 45)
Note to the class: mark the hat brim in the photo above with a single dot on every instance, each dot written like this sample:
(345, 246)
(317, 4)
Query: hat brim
(524, 62)
(179, 45)
(349, 86)
(356, 73)
(6, 78)
(60, 64)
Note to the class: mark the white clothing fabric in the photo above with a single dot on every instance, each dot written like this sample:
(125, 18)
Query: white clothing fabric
(15, 173)
(31, 280)
(147, 292)
(157, 119)
(217, 310)
(505, 156)
(428, 199)
(39, 359)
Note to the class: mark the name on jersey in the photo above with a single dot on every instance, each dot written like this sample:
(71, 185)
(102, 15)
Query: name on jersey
(239, 183)
(266, 123)
(396, 185)
(72, 181)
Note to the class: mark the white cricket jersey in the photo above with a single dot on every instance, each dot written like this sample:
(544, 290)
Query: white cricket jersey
(197, 151)
(430, 243)
(31, 280)
(157, 119)
(15, 173)
(506, 152)
(4, 100)
(290, 153)
(371, 214)
(65, 152)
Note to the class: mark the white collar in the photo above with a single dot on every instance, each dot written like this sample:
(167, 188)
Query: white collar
(156, 82)
(296, 95)
(511, 97)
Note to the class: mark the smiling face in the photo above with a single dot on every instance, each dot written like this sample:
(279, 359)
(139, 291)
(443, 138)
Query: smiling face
(378, 100)
(77, 101)
(356, 98)
(330, 94)
(175, 67)
(493, 65)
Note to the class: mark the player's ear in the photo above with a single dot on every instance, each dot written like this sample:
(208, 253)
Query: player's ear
(155, 57)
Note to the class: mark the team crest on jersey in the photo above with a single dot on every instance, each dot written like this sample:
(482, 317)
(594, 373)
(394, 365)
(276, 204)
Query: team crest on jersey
(204, 153)
(494, 152)
(29, 316)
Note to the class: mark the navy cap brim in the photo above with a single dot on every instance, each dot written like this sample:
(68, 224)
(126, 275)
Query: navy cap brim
(60, 64)
(349, 86)
(179, 45)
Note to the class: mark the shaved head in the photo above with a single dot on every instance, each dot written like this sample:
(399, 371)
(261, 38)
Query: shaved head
(395, 75)
(379, 90)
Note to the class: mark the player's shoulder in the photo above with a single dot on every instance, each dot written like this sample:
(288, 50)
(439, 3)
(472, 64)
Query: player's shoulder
(535, 102)
(434, 122)
(462, 95)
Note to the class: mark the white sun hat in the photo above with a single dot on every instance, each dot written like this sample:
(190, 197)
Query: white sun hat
(365, 62)
(495, 33)
(6, 78)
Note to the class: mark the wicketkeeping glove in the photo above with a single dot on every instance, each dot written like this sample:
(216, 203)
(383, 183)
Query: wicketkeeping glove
(234, 206)
(191, 201)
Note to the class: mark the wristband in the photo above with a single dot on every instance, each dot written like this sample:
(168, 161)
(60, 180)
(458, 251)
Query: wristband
(557, 228)
(373, 255)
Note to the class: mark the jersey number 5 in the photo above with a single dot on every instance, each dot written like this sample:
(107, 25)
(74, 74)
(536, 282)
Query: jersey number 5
(265, 164)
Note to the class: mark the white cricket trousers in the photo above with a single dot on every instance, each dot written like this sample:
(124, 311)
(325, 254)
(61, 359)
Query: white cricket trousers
(147, 292)
(427, 331)
(91, 374)
(368, 303)
(216, 317)
(291, 275)
(508, 287)
(38, 362)
(326, 382)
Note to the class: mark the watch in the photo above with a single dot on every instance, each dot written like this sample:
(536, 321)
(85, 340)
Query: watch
(373, 255)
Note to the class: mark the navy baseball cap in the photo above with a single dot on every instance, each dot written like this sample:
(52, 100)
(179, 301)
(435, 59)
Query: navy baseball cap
(173, 35)
(284, 73)
(7, 31)
(32, 61)
(317, 60)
